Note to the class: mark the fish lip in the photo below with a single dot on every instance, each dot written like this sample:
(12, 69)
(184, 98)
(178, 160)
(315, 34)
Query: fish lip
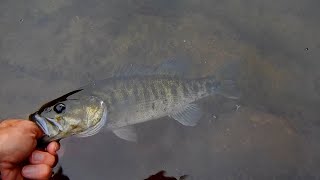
(41, 122)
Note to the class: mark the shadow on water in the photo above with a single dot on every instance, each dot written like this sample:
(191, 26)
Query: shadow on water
(161, 176)
(59, 175)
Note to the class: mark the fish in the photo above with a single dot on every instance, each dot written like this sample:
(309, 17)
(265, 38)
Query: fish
(133, 95)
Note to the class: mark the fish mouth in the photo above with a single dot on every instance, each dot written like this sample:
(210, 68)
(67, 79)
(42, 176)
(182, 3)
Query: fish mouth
(44, 123)
(41, 122)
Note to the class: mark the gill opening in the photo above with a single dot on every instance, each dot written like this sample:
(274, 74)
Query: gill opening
(55, 123)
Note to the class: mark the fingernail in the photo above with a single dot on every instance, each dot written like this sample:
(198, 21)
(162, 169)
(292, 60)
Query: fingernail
(37, 157)
(28, 171)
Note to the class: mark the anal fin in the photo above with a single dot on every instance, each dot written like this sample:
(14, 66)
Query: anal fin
(127, 133)
(188, 115)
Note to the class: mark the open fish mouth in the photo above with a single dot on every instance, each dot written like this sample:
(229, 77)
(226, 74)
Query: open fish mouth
(44, 123)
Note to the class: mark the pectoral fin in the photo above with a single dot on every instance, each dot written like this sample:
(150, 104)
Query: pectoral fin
(188, 115)
(127, 133)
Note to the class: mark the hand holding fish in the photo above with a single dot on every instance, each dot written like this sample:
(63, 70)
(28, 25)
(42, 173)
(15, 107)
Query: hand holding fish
(19, 158)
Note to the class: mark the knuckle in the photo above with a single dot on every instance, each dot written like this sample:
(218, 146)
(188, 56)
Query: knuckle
(40, 157)
(40, 171)
(5, 123)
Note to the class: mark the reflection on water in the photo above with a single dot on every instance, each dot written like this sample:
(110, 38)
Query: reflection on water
(48, 48)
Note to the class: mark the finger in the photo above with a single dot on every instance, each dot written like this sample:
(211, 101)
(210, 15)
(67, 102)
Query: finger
(41, 157)
(26, 124)
(40, 171)
(53, 147)
(34, 128)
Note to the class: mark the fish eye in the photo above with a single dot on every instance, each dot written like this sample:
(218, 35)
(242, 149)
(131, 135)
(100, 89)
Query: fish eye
(59, 108)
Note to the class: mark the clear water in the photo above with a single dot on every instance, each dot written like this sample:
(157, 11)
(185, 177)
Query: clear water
(271, 48)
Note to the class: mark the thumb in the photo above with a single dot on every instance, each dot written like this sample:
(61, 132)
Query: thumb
(36, 129)
(33, 128)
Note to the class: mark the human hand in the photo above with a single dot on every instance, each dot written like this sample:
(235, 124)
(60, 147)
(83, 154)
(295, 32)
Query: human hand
(19, 158)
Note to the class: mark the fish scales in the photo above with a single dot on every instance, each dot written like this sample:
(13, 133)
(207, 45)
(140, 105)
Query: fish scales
(148, 97)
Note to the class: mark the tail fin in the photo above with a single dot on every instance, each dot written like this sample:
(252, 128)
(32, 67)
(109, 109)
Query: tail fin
(229, 89)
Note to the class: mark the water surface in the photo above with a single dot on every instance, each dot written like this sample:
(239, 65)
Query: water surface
(271, 48)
